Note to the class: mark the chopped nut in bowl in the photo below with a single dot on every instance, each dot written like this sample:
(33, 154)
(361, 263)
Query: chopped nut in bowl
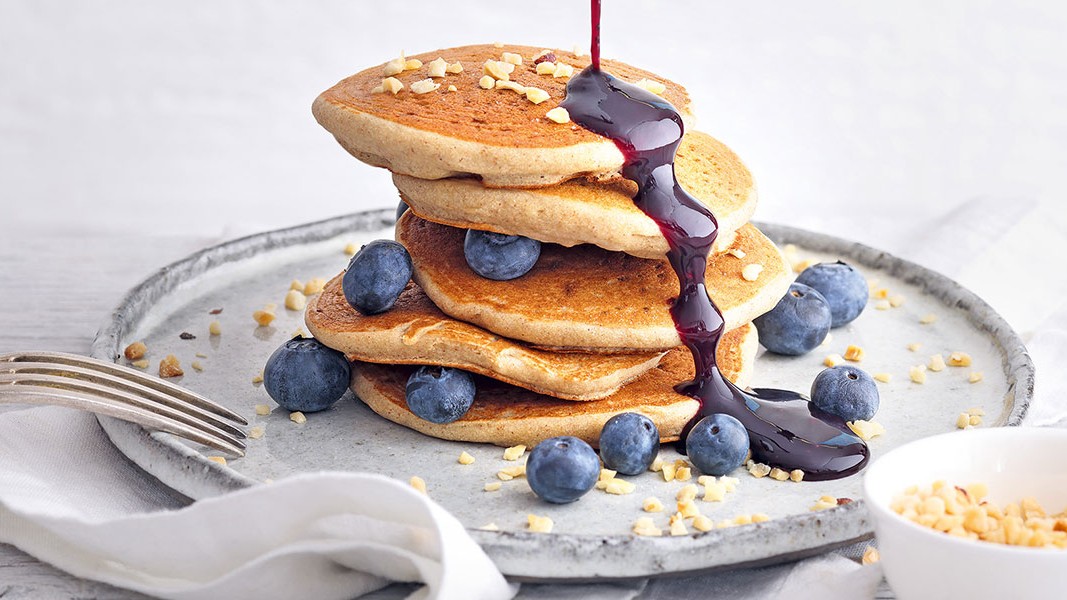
(973, 514)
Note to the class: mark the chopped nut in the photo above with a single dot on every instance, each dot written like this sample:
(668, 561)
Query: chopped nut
(657, 465)
(141, 364)
(760, 517)
(511, 85)
(497, 70)
(214, 328)
(619, 487)
(452, 88)
(975, 421)
(393, 67)
(258, 378)
(917, 374)
(975, 377)
(170, 367)
(959, 359)
(486, 82)
(424, 86)
(882, 305)
(668, 470)
(606, 475)
(703, 523)
(298, 417)
(751, 272)
(197, 366)
(880, 293)
(262, 409)
(299, 332)
(296, 285)
(514, 452)
(546, 68)
(937, 363)
(256, 432)
(714, 491)
(509, 473)
(489, 527)
(418, 483)
(436, 67)
(295, 300)
(687, 509)
(454, 68)
(389, 84)
(412, 64)
(645, 526)
(854, 353)
(866, 429)
(976, 411)
(314, 286)
(683, 474)
(562, 70)
(896, 301)
(779, 474)
(796, 475)
(882, 377)
(536, 95)
(578, 51)
(539, 524)
(135, 351)
(493, 486)
(743, 520)
(832, 360)
(688, 492)
(351, 249)
(871, 556)
(655, 87)
(928, 319)
(498, 45)
(759, 470)
(558, 115)
(511, 57)
(652, 504)
(465, 458)
(677, 526)
(824, 502)
(218, 459)
(799, 267)
(915, 346)
(263, 317)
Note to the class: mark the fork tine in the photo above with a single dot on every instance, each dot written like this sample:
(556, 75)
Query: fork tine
(112, 408)
(95, 376)
(10, 381)
(123, 372)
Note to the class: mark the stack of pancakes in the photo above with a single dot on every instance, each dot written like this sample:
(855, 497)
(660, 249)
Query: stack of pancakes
(587, 333)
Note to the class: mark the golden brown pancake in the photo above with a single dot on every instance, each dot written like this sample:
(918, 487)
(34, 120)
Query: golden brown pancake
(496, 134)
(587, 212)
(506, 415)
(587, 297)
(415, 332)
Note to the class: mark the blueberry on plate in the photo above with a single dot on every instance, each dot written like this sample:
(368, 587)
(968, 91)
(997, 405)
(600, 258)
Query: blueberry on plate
(717, 444)
(847, 392)
(376, 276)
(305, 375)
(843, 287)
(562, 469)
(629, 443)
(797, 324)
(498, 256)
(439, 394)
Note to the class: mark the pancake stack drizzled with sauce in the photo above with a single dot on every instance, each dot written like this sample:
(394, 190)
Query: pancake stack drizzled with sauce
(475, 138)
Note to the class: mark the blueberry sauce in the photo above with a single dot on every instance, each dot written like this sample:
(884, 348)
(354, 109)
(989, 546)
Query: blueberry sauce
(785, 429)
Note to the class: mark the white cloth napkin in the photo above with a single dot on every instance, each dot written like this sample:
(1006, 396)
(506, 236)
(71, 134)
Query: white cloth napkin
(69, 498)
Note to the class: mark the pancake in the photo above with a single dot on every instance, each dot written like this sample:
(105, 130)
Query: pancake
(587, 297)
(416, 332)
(506, 415)
(496, 134)
(582, 211)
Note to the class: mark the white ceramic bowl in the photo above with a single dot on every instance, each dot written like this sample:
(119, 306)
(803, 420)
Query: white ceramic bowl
(924, 564)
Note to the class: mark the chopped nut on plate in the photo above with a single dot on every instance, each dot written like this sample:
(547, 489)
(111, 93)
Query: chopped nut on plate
(297, 417)
(539, 524)
(170, 367)
(514, 452)
(135, 351)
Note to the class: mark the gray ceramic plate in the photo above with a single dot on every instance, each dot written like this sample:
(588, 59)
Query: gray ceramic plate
(592, 537)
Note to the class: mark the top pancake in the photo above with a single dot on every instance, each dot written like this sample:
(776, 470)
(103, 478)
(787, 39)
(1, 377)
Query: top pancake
(495, 134)
(587, 297)
(587, 212)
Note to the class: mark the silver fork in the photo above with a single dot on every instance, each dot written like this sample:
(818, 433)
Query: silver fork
(106, 388)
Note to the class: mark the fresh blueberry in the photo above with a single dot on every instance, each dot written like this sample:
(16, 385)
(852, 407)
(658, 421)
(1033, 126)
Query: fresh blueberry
(401, 209)
(305, 375)
(717, 444)
(440, 394)
(498, 256)
(797, 324)
(629, 443)
(562, 469)
(843, 287)
(376, 276)
(847, 392)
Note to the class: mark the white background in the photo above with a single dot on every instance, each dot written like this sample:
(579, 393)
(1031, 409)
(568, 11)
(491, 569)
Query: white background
(184, 123)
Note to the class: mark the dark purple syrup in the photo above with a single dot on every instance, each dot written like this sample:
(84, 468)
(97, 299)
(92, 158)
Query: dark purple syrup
(785, 429)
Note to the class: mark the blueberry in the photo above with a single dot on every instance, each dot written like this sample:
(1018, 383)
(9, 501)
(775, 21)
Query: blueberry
(440, 394)
(797, 324)
(401, 209)
(305, 375)
(376, 276)
(847, 392)
(717, 444)
(498, 256)
(562, 469)
(843, 287)
(629, 443)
